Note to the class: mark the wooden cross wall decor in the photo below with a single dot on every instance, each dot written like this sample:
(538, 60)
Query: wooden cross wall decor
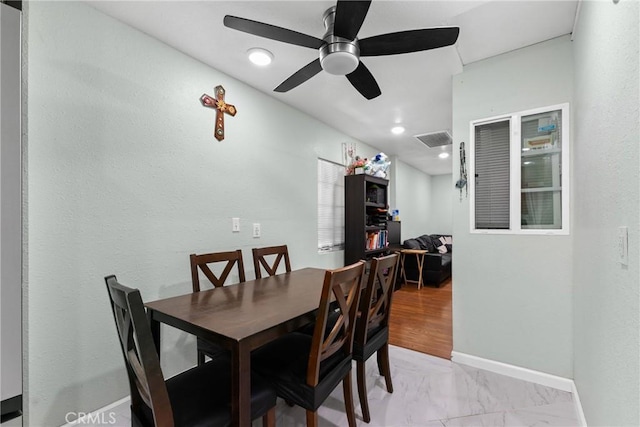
(221, 108)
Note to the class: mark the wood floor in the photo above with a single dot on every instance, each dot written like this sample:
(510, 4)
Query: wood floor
(421, 319)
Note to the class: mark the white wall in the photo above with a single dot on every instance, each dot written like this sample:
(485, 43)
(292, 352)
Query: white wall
(607, 296)
(441, 205)
(512, 297)
(125, 177)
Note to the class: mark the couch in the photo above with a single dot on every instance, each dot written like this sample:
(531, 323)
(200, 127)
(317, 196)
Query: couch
(437, 261)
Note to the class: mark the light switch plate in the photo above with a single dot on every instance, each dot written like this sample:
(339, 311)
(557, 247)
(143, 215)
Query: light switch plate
(235, 225)
(256, 229)
(623, 245)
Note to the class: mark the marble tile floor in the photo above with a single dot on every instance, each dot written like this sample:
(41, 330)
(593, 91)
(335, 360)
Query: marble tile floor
(432, 392)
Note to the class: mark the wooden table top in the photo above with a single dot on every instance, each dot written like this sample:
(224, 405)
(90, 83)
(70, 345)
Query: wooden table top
(240, 311)
(414, 251)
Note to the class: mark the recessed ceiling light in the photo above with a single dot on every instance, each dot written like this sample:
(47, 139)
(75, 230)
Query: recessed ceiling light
(260, 56)
(397, 130)
(443, 155)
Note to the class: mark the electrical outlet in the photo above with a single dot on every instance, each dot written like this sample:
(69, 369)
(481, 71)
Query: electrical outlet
(235, 225)
(256, 229)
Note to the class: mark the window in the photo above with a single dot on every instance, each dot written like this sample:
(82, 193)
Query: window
(330, 206)
(492, 175)
(518, 162)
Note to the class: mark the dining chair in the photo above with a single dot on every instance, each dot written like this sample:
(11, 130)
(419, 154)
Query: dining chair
(372, 325)
(304, 369)
(270, 264)
(202, 263)
(197, 397)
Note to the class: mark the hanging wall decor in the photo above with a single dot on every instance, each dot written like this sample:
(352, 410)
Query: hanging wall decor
(221, 108)
(462, 182)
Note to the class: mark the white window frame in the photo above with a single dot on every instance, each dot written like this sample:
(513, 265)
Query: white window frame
(515, 122)
(337, 246)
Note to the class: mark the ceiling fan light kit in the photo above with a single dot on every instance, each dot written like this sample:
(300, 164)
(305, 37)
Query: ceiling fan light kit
(339, 50)
(259, 56)
(338, 56)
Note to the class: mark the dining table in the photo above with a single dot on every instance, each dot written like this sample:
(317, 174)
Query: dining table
(241, 318)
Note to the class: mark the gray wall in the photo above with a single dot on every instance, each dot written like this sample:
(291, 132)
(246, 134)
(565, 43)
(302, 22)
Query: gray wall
(124, 177)
(441, 205)
(512, 297)
(412, 191)
(10, 206)
(606, 302)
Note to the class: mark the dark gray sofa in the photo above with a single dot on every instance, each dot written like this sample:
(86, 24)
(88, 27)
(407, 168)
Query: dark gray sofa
(437, 266)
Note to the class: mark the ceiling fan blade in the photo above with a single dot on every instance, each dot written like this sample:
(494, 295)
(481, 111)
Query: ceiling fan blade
(300, 76)
(272, 32)
(363, 81)
(408, 41)
(349, 18)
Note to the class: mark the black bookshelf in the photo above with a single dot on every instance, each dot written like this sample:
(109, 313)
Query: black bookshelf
(366, 208)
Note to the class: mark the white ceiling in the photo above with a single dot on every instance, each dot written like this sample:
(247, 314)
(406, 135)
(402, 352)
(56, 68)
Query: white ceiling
(416, 87)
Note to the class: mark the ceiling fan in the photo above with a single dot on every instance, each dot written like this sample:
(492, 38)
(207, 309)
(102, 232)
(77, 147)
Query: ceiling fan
(340, 50)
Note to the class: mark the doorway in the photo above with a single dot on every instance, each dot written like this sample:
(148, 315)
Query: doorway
(421, 320)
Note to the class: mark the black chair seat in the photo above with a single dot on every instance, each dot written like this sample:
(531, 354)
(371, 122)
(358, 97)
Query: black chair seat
(376, 339)
(286, 360)
(200, 397)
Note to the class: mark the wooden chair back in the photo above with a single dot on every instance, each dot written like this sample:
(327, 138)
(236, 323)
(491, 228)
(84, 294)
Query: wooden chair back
(260, 261)
(202, 262)
(343, 285)
(375, 305)
(146, 382)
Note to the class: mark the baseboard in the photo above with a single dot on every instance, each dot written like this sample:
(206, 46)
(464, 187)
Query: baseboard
(96, 416)
(536, 377)
(525, 374)
(578, 405)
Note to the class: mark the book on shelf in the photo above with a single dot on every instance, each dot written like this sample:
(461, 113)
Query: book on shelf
(377, 240)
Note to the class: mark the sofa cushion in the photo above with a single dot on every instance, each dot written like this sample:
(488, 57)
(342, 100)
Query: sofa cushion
(411, 244)
(429, 243)
(446, 260)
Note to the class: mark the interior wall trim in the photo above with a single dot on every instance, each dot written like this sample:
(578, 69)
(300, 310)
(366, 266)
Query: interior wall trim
(537, 377)
(548, 380)
(578, 405)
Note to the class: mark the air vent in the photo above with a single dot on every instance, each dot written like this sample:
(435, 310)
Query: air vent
(435, 139)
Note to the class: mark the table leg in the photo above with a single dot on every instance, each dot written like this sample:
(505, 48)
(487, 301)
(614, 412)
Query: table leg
(155, 331)
(241, 386)
(403, 275)
(420, 262)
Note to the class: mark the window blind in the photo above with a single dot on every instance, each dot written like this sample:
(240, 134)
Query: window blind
(330, 206)
(492, 180)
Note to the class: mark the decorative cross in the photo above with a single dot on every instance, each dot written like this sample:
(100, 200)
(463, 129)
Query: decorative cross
(221, 108)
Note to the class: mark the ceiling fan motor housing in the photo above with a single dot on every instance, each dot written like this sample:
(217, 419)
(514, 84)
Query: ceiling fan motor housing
(338, 56)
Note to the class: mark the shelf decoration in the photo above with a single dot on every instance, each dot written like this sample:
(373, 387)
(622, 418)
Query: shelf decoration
(377, 166)
(357, 166)
(221, 108)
